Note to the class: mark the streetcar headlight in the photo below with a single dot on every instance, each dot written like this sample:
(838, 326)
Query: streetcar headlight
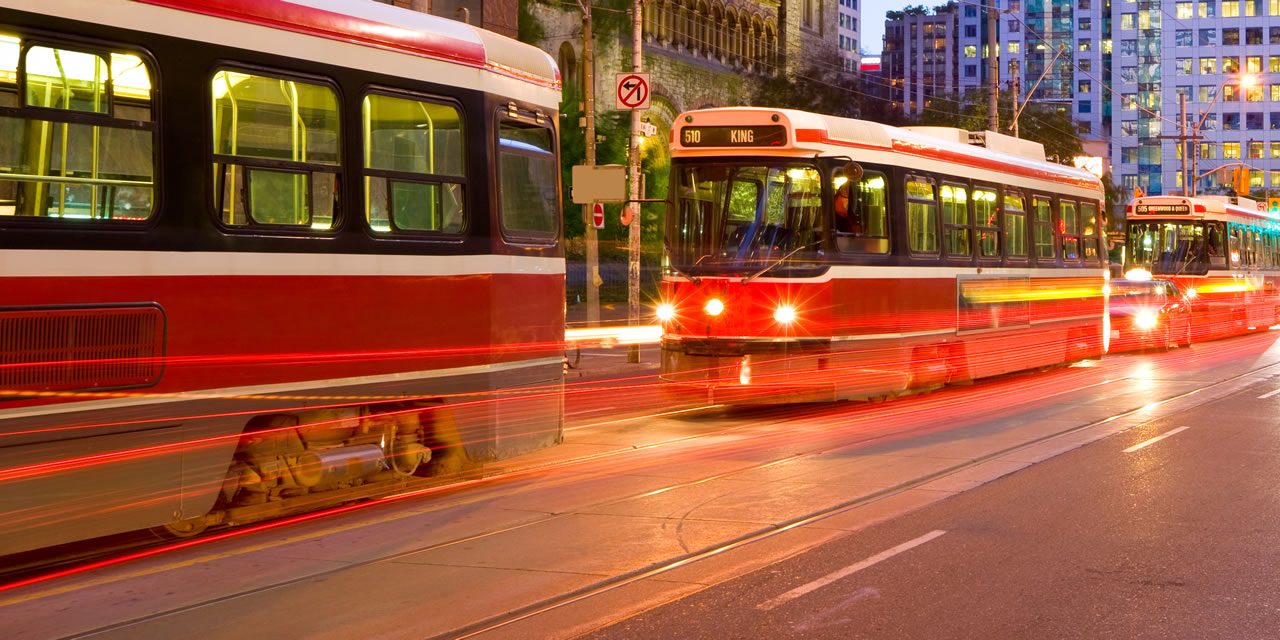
(714, 307)
(1145, 320)
(666, 312)
(1191, 293)
(1138, 275)
(784, 314)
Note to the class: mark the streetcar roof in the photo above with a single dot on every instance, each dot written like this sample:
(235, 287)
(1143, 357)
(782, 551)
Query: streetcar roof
(385, 26)
(998, 153)
(1198, 208)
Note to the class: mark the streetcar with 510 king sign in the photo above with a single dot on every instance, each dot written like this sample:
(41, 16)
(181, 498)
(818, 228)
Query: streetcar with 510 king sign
(817, 258)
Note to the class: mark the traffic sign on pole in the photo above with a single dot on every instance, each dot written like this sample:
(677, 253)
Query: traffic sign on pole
(597, 215)
(632, 91)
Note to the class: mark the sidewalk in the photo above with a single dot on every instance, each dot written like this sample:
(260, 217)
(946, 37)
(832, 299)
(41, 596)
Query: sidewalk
(605, 363)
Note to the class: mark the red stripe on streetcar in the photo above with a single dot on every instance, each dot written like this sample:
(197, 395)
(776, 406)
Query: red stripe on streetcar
(298, 18)
(946, 155)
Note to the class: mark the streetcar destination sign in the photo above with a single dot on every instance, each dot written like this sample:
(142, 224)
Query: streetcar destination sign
(1162, 209)
(772, 135)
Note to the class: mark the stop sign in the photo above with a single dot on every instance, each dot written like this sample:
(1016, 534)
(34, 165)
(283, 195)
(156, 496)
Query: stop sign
(597, 215)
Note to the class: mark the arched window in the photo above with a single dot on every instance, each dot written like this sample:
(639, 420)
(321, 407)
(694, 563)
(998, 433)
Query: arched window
(568, 60)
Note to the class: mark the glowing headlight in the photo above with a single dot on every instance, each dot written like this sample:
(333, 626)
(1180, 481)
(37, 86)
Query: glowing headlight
(666, 312)
(1145, 320)
(1138, 275)
(714, 307)
(1191, 293)
(784, 314)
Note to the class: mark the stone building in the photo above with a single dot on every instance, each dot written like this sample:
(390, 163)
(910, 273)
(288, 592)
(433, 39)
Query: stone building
(499, 16)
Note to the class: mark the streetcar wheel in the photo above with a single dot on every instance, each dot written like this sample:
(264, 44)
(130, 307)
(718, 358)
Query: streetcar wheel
(179, 529)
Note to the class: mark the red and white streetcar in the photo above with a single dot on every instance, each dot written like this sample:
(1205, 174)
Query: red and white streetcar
(815, 258)
(1222, 252)
(253, 251)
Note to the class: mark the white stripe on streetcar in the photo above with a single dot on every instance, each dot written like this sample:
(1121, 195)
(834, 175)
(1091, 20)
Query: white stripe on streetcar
(1268, 394)
(847, 571)
(1147, 443)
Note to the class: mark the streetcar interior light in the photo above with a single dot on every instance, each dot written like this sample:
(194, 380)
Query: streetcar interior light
(1145, 320)
(714, 307)
(666, 312)
(840, 181)
(875, 183)
(784, 314)
(797, 173)
(1139, 275)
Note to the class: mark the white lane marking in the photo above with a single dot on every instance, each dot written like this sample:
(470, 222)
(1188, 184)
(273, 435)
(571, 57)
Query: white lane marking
(847, 571)
(1147, 443)
(1268, 394)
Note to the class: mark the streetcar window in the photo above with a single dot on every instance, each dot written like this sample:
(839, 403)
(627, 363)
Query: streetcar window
(1089, 215)
(1167, 248)
(1045, 250)
(275, 146)
(1015, 225)
(922, 216)
(955, 220)
(1070, 228)
(1216, 245)
(866, 229)
(528, 177)
(986, 216)
(413, 158)
(77, 138)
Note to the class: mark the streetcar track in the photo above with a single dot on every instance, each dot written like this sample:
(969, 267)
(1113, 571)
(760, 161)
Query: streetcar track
(969, 397)
(669, 564)
(616, 582)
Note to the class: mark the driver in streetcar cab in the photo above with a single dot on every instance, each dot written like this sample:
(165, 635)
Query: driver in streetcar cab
(848, 214)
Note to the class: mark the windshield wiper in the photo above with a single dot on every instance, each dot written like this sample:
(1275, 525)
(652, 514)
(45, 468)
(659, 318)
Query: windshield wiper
(672, 264)
(780, 261)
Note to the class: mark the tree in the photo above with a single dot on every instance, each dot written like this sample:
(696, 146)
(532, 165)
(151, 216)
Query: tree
(1039, 123)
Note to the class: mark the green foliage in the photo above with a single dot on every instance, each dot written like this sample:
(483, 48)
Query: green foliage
(528, 28)
(909, 10)
(1046, 125)
(814, 89)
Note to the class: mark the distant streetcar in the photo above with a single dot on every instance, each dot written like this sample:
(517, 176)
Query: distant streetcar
(818, 258)
(1223, 253)
(249, 248)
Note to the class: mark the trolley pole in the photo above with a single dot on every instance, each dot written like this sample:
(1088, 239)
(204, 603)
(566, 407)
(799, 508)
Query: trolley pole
(993, 69)
(589, 116)
(633, 237)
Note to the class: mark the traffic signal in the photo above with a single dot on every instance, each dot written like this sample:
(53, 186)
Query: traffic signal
(1273, 206)
(1240, 180)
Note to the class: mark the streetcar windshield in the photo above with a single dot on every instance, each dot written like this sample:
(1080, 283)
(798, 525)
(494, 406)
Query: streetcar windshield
(1172, 248)
(745, 218)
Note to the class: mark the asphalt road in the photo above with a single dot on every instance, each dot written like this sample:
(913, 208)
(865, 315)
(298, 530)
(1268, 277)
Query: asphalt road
(1177, 539)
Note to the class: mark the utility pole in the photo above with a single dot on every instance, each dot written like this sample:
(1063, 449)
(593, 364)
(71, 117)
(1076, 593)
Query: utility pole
(1182, 142)
(589, 113)
(1015, 70)
(633, 236)
(993, 69)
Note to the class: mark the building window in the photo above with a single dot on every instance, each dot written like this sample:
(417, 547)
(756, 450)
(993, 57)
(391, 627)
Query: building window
(1253, 121)
(1184, 38)
(1084, 107)
(1208, 37)
(1231, 8)
(1230, 122)
(1253, 35)
(1207, 8)
(1129, 75)
(1084, 86)
(1182, 90)
(1253, 64)
(1184, 66)
(1086, 44)
(1230, 37)
(1128, 21)
(970, 31)
(1015, 47)
(1231, 151)
(1275, 126)
(1128, 155)
(1184, 10)
(1129, 101)
(1208, 151)
(1129, 127)
(1128, 47)
(1086, 24)
(971, 71)
(970, 51)
(1230, 64)
(1256, 150)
